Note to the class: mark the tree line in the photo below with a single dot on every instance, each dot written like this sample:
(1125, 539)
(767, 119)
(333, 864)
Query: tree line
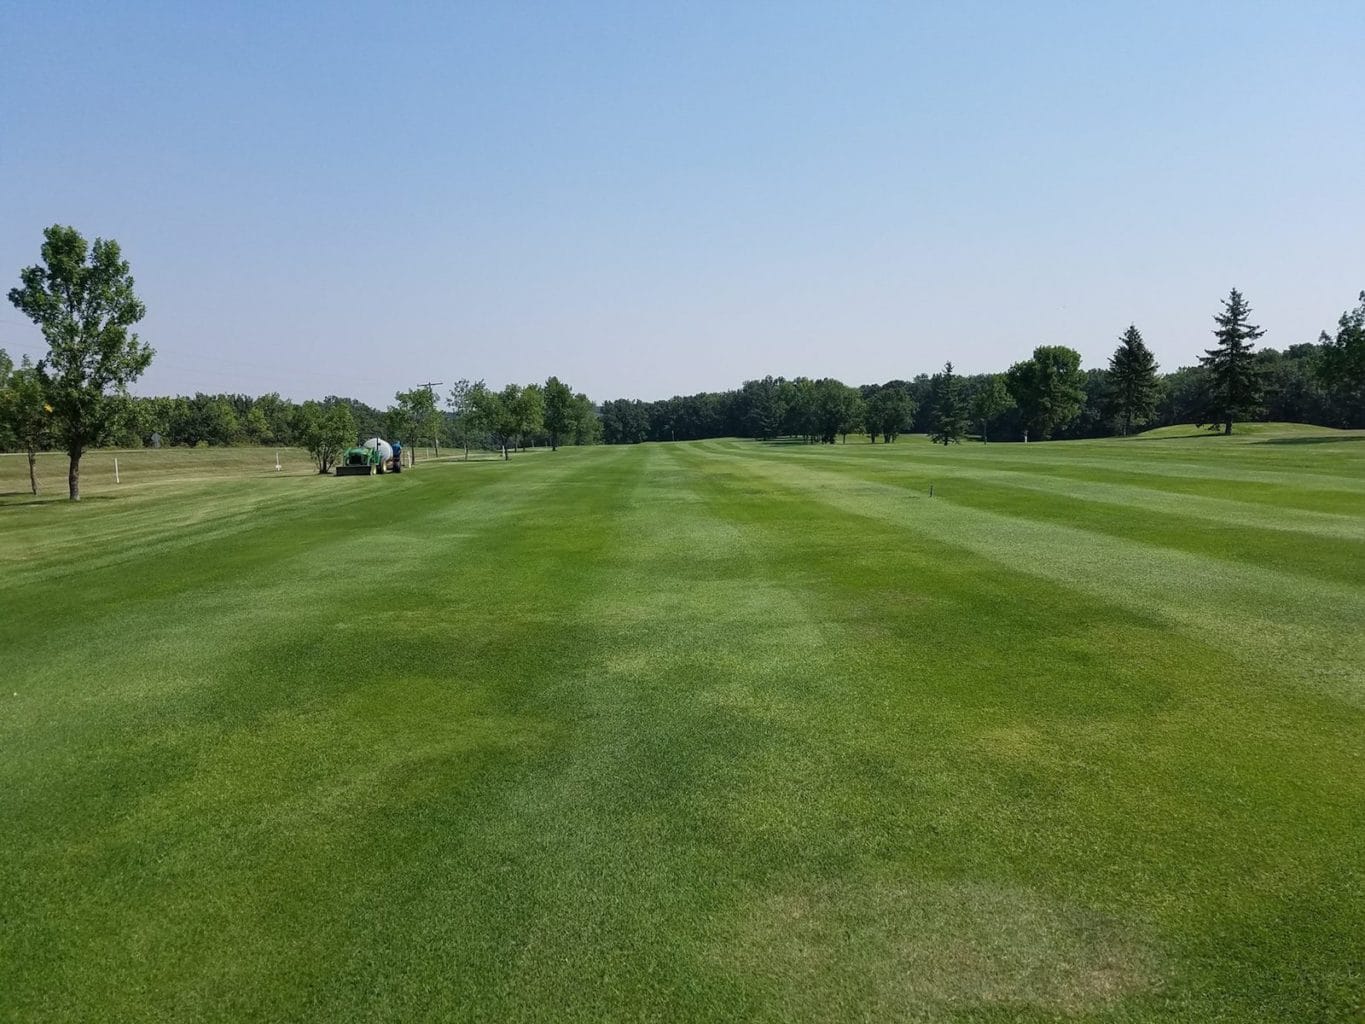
(1046, 396)
(81, 297)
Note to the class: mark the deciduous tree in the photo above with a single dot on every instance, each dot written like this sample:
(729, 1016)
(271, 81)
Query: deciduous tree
(764, 409)
(836, 409)
(1049, 388)
(888, 412)
(82, 298)
(587, 425)
(458, 402)
(990, 399)
(325, 432)
(528, 412)
(26, 416)
(416, 412)
(559, 410)
(1341, 364)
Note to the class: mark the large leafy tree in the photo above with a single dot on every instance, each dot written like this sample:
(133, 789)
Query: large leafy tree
(837, 409)
(26, 416)
(416, 413)
(799, 413)
(325, 432)
(1341, 364)
(528, 412)
(497, 414)
(81, 297)
(990, 399)
(559, 410)
(949, 407)
(587, 425)
(764, 409)
(459, 403)
(6, 365)
(1049, 388)
(888, 411)
(1132, 381)
(1234, 378)
(477, 412)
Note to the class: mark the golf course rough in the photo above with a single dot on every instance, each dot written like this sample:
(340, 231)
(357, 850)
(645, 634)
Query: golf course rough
(719, 731)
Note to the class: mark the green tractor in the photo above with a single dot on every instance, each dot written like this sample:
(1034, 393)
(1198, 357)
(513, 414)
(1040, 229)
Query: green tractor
(374, 456)
(360, 461)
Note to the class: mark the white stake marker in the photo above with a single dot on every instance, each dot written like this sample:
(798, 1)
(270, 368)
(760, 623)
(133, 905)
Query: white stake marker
(116, 479)
(277, 460)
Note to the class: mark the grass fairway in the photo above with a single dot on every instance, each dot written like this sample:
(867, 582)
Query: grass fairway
(719, 731)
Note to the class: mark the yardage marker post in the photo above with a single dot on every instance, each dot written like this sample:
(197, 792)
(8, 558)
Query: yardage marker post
(116, 479)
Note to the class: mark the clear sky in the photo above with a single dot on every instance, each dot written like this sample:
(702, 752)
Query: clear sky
(648, 199)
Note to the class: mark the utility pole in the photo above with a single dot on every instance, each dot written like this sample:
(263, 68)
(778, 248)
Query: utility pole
(431, 386)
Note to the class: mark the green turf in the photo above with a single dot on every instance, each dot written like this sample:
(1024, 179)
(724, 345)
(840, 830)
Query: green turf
(1254, 430)
(721, 731)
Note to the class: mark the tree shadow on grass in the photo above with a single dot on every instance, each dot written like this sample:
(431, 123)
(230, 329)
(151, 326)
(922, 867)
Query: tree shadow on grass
(1175, 437)
(797, 442)
(1311, 440)
(23, 499)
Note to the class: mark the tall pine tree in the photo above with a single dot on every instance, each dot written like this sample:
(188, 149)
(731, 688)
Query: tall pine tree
(1132, 381)
(1234, 379)
(950, 407)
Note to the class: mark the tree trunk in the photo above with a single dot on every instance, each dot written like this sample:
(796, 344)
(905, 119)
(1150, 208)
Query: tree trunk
(466, 451)
(73, 476)
(1227, 427)
(32, 470)
(505, 456)
(554, 442)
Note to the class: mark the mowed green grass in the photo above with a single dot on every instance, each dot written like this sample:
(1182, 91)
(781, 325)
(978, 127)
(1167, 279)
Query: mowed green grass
(719, 731)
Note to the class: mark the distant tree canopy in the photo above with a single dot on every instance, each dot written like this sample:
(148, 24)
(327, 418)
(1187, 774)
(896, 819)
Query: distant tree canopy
(1049, 389)
(888, 411)
(559, 410)
(1341, 366)
(1045, 396)
(990, 398)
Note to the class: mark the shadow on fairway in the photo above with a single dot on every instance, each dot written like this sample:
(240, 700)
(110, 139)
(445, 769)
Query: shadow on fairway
(22, 499)
(797, 442)
(1176, 437)
(1311, 440)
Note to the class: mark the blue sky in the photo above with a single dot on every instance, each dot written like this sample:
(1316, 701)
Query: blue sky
(649, 199)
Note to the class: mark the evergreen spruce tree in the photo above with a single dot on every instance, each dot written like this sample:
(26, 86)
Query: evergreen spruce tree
(1234, 379)
(950, 407)
(1132, 381)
